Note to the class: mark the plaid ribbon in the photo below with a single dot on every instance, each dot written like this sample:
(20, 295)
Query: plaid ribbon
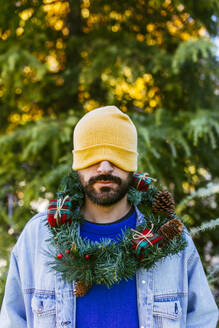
(64, 213)
(144, 239)
(141, 181)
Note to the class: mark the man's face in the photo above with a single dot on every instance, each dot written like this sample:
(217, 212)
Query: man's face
(104, 183)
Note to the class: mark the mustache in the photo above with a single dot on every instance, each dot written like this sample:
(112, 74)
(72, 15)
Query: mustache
(105, 177)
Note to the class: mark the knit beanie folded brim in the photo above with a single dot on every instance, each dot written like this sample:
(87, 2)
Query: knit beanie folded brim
(124, 158)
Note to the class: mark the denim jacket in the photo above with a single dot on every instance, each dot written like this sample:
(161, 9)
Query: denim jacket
(173, 294)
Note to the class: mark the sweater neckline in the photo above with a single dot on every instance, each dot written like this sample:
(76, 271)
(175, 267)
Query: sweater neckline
(126, 221)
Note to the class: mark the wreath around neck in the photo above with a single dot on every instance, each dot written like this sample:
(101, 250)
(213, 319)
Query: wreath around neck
(108, 262)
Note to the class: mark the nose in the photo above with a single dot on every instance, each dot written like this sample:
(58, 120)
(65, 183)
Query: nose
(105, 167)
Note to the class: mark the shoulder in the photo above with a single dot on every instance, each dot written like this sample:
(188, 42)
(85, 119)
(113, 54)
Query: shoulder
(36, 223)
(37, 218)
(188, 238)
(35, 231)
(189, 251)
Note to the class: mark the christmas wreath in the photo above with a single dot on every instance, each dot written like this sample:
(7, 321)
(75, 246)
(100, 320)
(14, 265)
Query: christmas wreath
(108, 262)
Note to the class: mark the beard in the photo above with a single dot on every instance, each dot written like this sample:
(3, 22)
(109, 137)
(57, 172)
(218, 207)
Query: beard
(106, 196)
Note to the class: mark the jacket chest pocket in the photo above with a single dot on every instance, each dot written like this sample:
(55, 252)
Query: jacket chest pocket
(167, 313)
(44, 311)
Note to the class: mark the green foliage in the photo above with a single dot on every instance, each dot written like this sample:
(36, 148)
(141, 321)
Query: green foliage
(192, 51)
(213, 274)
(205, 226)
(211, 189)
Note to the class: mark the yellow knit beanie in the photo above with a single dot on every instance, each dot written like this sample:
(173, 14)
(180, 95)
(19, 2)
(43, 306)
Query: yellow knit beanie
(105, 133)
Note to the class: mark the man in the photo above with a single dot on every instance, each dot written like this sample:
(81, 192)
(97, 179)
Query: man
(173, 293)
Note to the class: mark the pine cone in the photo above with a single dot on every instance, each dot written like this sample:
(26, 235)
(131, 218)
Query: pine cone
(171, 229)
(163, 202)
(80, 289)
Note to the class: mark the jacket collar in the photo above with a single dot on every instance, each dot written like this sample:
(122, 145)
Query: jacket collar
(140, 216)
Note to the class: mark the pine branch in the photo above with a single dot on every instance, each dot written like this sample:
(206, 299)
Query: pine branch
(191, 50)
(205, 226)
(212, 188)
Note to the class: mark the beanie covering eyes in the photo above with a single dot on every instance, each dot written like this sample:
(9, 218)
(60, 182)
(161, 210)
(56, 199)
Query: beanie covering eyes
(105, 133)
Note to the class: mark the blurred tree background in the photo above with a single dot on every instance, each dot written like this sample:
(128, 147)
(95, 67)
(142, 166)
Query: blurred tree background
(154, 59)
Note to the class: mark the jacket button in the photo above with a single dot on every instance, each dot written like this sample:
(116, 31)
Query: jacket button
(143, 282)
(40, 309)
(65, 323)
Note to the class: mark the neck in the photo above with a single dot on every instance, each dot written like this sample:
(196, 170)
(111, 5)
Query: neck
(105, 214)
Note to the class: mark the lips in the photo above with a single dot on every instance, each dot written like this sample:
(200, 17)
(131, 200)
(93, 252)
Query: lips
(105, 182)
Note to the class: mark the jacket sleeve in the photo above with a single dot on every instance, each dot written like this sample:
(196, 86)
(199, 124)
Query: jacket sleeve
(13, 309)
(202, 310)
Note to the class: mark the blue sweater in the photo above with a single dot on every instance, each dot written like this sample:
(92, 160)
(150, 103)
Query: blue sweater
(114, 307)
